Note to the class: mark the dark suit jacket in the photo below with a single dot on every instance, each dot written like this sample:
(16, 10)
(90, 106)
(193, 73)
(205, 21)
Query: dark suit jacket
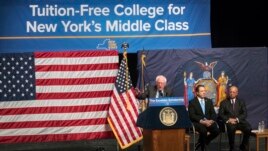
(226, 110)
(150, 92)
(196, 113)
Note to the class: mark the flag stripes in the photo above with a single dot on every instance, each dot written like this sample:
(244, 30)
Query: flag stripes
(123, 111)
(71, 94)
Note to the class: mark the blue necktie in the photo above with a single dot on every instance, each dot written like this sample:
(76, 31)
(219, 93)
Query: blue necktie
(203, 105)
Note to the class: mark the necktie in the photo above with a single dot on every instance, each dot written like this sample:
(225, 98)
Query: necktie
(233, 102)
(203, 105)
(160, 93)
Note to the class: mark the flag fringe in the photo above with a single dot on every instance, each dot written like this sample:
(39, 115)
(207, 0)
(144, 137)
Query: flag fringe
(118, 140)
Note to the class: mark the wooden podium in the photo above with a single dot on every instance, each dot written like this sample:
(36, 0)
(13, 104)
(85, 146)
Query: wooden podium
(164, 140)
(158, 133)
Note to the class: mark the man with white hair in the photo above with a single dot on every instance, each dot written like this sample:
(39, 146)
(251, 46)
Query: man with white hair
(157, 91)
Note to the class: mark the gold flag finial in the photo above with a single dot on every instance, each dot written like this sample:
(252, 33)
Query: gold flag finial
(143, 56)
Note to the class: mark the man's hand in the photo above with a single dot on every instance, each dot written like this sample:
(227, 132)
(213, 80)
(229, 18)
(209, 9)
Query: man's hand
(206, 122)
(232, 121)
(137, 91)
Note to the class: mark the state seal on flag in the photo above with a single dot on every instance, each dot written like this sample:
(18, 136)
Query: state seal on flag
(168, 116)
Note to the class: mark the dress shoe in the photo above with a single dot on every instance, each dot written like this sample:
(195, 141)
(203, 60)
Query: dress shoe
(197, 146)
(243, 147)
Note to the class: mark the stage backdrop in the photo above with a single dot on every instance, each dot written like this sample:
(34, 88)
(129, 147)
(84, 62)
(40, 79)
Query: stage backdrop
(31, 25)
(217, 69)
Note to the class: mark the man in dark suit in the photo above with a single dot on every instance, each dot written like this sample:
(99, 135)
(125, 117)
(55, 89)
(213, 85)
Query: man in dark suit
(233, 112)
(203, 116)
(158, 90)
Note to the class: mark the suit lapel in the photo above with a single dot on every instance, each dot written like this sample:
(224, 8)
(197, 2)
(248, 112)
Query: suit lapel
(230, 106)
(206, 106)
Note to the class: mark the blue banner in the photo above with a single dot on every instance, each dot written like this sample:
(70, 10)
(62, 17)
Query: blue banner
(166, 101)
(32, 25)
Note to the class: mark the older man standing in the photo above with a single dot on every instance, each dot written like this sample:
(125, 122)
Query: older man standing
(158, 90)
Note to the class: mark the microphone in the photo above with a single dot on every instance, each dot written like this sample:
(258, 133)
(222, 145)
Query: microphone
(161, 93)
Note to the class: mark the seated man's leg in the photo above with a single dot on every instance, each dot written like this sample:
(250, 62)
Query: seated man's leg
(246, 129)
(202, 130)
(214, 132)
(231, 134)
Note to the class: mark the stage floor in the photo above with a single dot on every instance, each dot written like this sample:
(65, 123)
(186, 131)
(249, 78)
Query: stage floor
(110, 145)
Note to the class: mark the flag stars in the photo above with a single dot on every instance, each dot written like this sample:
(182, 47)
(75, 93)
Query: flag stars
(4, 59)
(21, 58)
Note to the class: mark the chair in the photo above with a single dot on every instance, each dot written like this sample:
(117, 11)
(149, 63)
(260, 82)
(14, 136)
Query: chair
(237, 132)
(196, 133)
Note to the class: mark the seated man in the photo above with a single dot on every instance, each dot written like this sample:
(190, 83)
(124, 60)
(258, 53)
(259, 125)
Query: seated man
(203, 116)
(233, 112)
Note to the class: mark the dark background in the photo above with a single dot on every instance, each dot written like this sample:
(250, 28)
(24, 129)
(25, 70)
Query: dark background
(234, 23)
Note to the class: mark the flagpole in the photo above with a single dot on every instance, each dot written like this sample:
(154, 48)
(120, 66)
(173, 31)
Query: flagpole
(125, 46)
(143, 64)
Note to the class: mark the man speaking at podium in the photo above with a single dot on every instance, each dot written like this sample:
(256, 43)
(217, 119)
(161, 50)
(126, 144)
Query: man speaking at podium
(157, 91)
(203, 116)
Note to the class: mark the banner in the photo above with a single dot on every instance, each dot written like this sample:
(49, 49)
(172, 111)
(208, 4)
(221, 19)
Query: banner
(217, 69)
(89, 25)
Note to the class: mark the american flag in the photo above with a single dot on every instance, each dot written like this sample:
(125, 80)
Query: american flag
(56, 96)
(123, 110)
